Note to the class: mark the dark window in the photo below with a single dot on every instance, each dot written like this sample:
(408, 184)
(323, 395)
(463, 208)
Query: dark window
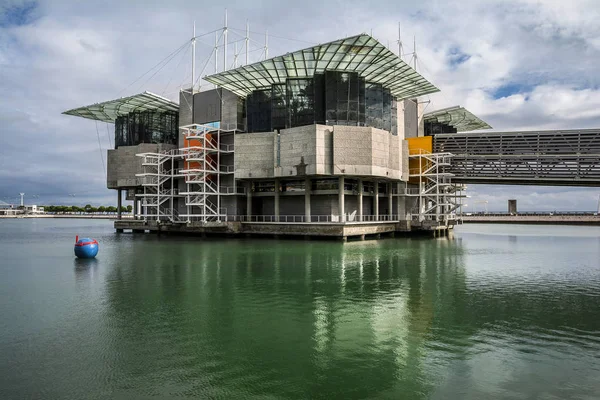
(146, 127)
(300, 102)
(258, 111)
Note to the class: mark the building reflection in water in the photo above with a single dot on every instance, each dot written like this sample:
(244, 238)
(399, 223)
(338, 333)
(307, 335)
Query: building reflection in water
(356, 315)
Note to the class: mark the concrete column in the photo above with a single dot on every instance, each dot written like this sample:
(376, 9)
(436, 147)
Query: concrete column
(135, 208)
(401, 203)
(307, 188)
(376, 200)
(341, 199)
(119, 203)
(276, 206)
(390, 201)
(248, 199)
(360, 200)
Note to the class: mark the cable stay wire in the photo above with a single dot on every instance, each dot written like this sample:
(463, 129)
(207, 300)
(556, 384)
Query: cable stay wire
(162, 66)
(100, 147)
(151, 69)
(176, 67)
(273, 36)
(108, 136)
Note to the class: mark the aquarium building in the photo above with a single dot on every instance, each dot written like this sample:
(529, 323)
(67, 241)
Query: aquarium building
(330, 140)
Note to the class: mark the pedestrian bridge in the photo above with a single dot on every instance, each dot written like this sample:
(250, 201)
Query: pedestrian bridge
(565, 158)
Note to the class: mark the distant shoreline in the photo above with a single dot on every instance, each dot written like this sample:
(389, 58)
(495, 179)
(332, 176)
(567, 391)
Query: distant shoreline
(533, 219)
(70, 216)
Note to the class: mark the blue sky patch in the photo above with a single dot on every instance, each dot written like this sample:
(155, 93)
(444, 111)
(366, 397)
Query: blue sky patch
(510, 88)
(18, 14)
(456, 56)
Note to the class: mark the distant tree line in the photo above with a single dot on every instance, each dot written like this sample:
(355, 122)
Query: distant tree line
(87, 209)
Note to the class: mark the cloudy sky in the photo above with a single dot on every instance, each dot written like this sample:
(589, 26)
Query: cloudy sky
(518, 64)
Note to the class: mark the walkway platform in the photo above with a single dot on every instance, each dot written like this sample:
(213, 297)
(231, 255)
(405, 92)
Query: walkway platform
(342, 231)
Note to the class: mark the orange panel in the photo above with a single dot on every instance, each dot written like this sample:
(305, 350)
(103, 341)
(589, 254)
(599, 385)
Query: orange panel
(418, 145)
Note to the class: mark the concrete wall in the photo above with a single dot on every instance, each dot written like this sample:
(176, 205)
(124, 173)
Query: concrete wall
(298, 151)
(123, 164)
(365, 151)
(411, 119)
(322, 150)
(207, 106)
(254, 155)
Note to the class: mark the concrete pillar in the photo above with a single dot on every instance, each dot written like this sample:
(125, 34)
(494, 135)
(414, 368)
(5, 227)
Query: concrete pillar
(401, 202)
(376, 200)
(341, 199)
(276, 206)
(307, 188)
(135, 208)
(390, 201)
(119, 203)
(248, 199)
(360, 200)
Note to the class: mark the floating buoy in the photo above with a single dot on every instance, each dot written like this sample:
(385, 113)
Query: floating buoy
(86, 247)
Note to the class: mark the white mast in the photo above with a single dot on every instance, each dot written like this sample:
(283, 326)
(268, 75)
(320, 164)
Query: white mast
(415, 52)
(399, 42)
(266, 44)
(225, 43)
(194, 58)
(216, 52)
(247, 40)
(235, 55)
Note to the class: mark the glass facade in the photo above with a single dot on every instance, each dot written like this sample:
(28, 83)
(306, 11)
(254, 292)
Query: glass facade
(333, 98)
(147, 127)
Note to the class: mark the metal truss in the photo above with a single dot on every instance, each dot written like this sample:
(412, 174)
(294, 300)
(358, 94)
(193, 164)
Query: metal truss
(160, 186)
(438, 198)
(202, 172)
(570, 157)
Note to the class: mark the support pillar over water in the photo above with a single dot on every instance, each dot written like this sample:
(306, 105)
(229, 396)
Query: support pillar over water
(341, 199)
(119, 203)
(390, 201)
(276, 206)
(248, 199)
(360, 200)
(307, 188)
(135, 208)
(376, 200)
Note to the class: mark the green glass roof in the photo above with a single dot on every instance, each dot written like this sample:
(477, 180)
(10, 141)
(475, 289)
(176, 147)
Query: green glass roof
(362, 54)
(457, 117)
(108, 111)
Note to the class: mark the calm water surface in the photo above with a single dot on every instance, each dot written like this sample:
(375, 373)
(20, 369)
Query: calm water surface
(500, 311)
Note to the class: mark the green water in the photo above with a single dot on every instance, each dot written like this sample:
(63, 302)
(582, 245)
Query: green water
(500, 311)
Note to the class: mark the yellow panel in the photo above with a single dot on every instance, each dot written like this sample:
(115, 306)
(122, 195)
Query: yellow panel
(418, 145)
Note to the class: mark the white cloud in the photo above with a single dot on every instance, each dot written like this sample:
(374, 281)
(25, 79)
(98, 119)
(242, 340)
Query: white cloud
(73, 53)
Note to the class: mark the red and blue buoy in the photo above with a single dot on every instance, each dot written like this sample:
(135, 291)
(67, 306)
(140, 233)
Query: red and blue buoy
(86, 247)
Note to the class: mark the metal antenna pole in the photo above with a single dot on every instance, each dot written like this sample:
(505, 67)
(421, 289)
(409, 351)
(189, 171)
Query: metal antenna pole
(194, 58)
(216, 54)
(415, 52)
(247, 40)
(225, 43)
(266, 49)
(399, 42)
(235, 54)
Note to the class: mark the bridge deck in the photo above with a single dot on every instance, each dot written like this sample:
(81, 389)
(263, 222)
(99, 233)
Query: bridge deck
(566, 157)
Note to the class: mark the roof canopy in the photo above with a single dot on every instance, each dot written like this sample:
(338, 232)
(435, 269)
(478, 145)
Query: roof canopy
(108, 111)
(457, 117)
(361, 54)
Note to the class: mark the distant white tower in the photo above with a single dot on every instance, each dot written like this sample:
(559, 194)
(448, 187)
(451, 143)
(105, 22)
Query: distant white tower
(22, 203)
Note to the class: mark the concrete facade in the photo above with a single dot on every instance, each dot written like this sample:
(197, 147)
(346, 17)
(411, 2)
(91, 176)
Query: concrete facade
(123, 164)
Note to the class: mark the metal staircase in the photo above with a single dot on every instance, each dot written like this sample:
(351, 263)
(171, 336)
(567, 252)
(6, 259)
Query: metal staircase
(438, 198)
